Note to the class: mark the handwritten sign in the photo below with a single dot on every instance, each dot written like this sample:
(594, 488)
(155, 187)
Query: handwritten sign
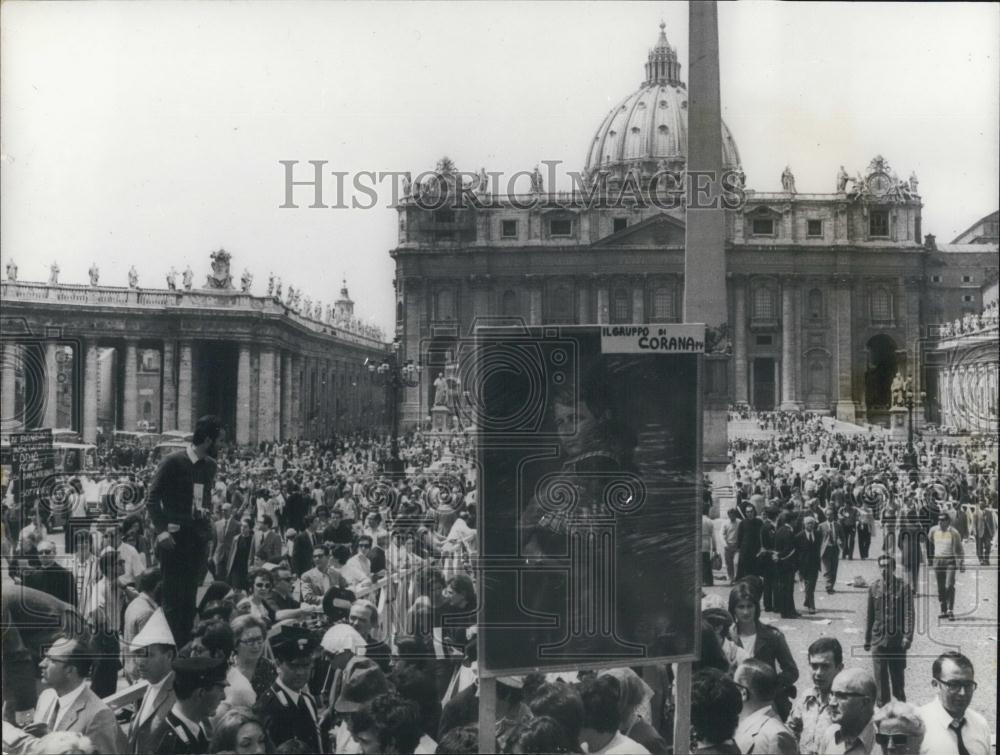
(33, 462)
(674, 338)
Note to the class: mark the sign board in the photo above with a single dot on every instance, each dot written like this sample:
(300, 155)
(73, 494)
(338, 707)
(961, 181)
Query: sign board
(32, 462)
(590, 450)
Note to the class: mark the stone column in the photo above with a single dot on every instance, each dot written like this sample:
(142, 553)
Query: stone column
(276, 403)
(90, 370)
(8, 391)
(295, 403)
(583, 288)
(286, 395)
(705, 224)
(265, 391)
(846, 407)
(51, 385)
(185, 422)
(639, 300)
(740, 338)
(243, 396)
(603, 303)
(130, 413)
(168, 404)
(534, 301)
(788, 350)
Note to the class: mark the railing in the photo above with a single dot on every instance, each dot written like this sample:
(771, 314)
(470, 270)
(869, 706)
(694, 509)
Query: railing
(114, 296)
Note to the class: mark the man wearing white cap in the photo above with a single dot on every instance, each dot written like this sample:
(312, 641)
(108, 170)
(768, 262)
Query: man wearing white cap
(155, 651)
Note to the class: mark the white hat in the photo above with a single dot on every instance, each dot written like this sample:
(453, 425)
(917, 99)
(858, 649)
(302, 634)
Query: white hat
(155, 632)
(341, 637)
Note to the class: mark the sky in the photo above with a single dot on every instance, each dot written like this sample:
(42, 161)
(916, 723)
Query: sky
(150, 133)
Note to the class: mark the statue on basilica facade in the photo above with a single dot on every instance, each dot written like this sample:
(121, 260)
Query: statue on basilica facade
(54, 274)
(220, 277)
(11, 271)
(440, 390)
(270, 284)
(841, 180)
(94, 273)
(914, 184)
(537, 184)
(898, 389)
(133, 277)
(307, 306)
(277, 289)
(246, 280)
(172, 279)
(188, 278)
(291, 295)
(787, 180)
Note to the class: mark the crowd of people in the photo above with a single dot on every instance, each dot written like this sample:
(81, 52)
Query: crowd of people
(294, 598)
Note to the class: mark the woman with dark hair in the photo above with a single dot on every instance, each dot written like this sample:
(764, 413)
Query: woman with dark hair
(240, 731)
(716, 703)
(763, 642)
(540, 735)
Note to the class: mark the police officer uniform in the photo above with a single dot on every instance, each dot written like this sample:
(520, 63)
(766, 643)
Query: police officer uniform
(179, 735)
(287, 713)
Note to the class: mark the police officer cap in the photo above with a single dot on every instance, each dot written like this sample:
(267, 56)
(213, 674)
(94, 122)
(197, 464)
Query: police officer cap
(201, 671)
(291, 642)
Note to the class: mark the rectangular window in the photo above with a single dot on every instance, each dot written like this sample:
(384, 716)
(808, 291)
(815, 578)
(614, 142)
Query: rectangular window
(815, 228)
(763, 227)
(620, 224)
(967, 298)
(966, 279)
(562, 227)
(935, 279)
(765, 340)
(508, 229)
(878, 223)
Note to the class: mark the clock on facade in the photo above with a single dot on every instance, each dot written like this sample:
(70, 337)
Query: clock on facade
(879, 184)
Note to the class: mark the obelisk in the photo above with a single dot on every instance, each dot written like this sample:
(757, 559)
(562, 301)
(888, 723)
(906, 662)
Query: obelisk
(705, 252)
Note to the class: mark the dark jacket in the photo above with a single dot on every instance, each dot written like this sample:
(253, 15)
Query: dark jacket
(54, 579)
(808, 554)
(771, 647)
(890, 618)
(284, 720)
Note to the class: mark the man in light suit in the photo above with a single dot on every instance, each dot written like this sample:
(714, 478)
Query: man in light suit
(761, 730)
(321, 577)
(155, 652)
(830, 536)
(69, 704)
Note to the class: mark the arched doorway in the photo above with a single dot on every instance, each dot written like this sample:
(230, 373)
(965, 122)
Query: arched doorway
(883, 363)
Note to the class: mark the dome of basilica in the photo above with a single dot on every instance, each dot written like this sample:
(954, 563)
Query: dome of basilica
(648, 129)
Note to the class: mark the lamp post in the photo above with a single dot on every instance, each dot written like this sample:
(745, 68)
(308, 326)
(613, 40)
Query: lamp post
(910, 398)
(394, 376)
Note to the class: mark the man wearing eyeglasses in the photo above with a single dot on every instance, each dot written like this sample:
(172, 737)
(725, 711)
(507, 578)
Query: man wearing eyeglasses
(852, 704)
(953, 728)
(49, 576)
(358, 569)
(898, 729)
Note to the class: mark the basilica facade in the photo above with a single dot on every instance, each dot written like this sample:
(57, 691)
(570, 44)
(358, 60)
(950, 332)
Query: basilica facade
(829, 294)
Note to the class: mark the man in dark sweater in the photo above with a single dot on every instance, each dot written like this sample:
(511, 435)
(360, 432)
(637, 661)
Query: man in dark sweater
(179, 502)
(49, 576)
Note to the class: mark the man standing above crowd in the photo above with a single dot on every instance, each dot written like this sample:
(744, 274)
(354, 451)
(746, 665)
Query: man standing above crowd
(830, 535)
(178, 501)
(951, 726)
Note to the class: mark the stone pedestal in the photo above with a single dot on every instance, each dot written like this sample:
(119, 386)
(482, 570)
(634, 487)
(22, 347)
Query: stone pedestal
(441, 419)
(898, 426)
